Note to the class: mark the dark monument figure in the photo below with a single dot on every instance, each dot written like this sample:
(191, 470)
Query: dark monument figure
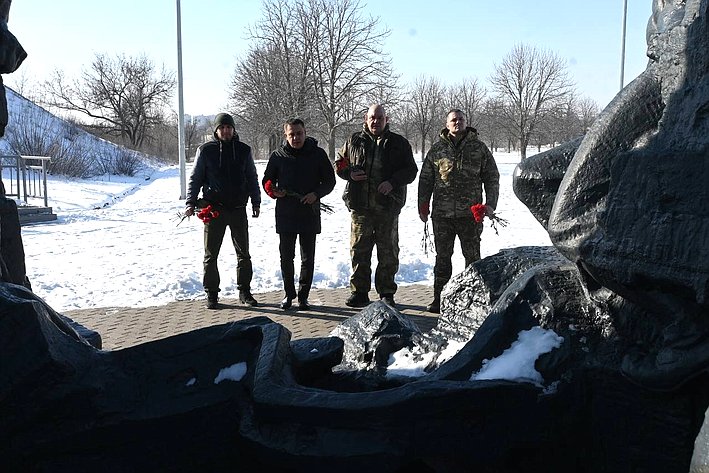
(12, 255)
(625, 285)
(11, 56)
(631, 209)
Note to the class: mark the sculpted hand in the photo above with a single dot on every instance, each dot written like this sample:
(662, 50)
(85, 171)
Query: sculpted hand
(385, 187)
(189, 211)
(255, 211)
(309, 198)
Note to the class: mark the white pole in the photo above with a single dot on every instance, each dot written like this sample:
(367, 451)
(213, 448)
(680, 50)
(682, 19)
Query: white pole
(622, 49)
(180, 109)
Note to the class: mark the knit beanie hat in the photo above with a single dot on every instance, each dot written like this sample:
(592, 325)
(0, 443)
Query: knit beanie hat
(223, 119)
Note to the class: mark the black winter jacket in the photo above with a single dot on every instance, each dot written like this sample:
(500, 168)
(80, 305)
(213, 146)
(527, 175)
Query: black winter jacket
(398, 167)
(226, 174)
(299, 171)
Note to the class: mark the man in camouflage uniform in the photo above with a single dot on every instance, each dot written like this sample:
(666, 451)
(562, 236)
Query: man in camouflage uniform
(378, 164)
(455, 170)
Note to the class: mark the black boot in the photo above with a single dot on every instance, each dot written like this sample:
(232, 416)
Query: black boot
(389, 300)
(246, 298)
(357, 299)
(435, 306)
(303, 304)
(287, 302)
(212, 300)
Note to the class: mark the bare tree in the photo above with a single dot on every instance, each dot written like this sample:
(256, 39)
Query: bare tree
(259, 95)
(272, 83)
(492, 127)
(426, 99)
(196, 129)
(317, 59)
(568, 122)
(124, 96)
(468, 96)
(588, 111)
(24, 84)
(401, 114)
(348, 65)
(533, 84)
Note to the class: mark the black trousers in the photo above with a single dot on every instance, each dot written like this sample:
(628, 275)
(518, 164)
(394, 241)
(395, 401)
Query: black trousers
(307, 263)
(214, 232)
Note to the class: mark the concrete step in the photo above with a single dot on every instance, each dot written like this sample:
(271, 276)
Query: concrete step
(31, 214)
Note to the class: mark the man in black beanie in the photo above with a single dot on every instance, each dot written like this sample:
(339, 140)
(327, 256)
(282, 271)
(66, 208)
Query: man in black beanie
(225, 172)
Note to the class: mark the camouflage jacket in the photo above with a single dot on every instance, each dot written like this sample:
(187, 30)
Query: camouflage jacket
(397, 166)
(456, 174)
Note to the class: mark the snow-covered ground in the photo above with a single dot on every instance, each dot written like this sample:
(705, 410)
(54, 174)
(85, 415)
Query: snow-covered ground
(116, 242)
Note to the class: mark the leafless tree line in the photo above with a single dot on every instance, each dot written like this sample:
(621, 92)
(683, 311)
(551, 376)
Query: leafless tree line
(125, 97)
(323, 61)
(531, 101)
(320, 60)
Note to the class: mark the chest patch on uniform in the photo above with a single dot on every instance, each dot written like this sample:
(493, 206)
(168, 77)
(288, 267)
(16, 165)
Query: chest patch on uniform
(445, 166)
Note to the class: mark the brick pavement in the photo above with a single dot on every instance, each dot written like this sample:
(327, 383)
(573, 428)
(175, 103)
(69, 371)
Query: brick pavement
(122, 327)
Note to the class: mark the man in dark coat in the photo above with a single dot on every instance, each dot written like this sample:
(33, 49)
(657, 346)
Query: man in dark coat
(378, 164)
(298, 175)
(225, 172)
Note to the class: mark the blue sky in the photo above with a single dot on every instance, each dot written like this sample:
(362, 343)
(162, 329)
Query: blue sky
(451, 39)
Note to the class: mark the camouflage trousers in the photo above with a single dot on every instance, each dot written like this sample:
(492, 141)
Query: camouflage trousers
(444, 232)
(370, 229)
(214, 232)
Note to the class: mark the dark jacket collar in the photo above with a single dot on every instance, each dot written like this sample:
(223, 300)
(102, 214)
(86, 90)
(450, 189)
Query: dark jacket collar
(287, 150)
(470, 133)
(366, 132)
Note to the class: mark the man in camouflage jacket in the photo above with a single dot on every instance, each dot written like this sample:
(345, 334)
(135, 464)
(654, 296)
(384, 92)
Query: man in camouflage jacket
(377, 164)
(455, 170)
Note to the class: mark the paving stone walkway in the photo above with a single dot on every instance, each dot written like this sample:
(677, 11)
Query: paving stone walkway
(122, 327)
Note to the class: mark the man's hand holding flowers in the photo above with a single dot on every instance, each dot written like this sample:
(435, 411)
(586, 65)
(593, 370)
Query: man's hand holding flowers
(273, 191)
(424, 211)
(480, 211)
(309, 198)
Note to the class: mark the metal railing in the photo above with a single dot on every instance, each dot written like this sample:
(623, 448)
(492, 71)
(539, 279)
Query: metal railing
(25, 177)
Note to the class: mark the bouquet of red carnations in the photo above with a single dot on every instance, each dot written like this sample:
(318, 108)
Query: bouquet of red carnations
(205, 214)
(271, 190)
(479, 212)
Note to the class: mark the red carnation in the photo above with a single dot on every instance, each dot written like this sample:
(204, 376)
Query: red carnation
(342, 164)
(270, 191)
(207, 214)
(479, 212)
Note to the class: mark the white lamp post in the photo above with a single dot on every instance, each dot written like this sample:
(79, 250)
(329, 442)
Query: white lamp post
(180, 110)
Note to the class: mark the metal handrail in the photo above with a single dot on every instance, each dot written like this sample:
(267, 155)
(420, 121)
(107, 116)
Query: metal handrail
(27, 171)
